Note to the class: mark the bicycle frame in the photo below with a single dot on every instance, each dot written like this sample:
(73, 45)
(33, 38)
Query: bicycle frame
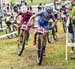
(41, 31)
(24, 28)
(41, 34)
(23, 40)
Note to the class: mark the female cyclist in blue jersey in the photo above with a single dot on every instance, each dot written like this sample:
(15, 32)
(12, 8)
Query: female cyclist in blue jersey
(43, 19)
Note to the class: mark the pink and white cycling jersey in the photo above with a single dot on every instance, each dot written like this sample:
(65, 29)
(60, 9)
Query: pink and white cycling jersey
(24, 17)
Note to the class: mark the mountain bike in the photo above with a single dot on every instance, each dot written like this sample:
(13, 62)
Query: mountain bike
(22, 43)
(64, 23)
(51, 33)
(41, 45)
(11, 28)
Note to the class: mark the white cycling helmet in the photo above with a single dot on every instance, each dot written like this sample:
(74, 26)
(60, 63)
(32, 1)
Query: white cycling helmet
(24, 9)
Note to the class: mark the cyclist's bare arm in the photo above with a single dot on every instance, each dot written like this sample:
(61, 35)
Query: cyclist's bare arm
(32, 18)
(53, 24)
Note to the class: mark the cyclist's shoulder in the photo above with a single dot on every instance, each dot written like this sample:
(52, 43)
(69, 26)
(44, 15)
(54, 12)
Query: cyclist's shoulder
(19, 12)
(41, 13)
(29, 12)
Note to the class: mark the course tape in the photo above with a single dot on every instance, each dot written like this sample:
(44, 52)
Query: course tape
(7, 34)
(2, 28)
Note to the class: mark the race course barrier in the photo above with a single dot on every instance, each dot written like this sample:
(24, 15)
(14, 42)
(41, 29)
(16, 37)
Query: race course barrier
(7, 34)
(68, 44)
(2, 28)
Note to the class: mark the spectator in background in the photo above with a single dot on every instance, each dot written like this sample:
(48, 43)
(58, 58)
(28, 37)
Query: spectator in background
(8, 7)
(72, 16)
(4, 9)
(73, 2)
(11, 6)
(26, 3)
(23, 2)
(15, 8)
(40, 6)
(30, 8)
(44, 5)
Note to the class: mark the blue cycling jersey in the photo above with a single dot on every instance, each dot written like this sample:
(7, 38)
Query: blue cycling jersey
(43, 19)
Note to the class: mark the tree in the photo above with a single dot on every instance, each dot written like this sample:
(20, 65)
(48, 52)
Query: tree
(31, 1)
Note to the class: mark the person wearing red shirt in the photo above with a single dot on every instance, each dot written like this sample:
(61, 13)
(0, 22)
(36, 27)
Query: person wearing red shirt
(23, 17)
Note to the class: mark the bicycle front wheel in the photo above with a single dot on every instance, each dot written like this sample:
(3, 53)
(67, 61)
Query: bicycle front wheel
(21, 44)
(15, 29)
(40, 50)
(49, 37)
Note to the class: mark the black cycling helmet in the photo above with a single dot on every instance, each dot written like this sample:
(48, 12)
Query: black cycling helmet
(49, 10)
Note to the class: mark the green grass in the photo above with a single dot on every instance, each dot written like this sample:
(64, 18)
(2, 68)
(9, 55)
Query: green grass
(54, 59)
(2, 32)
(4, 26)
(35, 2)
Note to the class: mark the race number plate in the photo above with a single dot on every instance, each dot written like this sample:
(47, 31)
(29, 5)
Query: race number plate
(41, 30)
(24, 27)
